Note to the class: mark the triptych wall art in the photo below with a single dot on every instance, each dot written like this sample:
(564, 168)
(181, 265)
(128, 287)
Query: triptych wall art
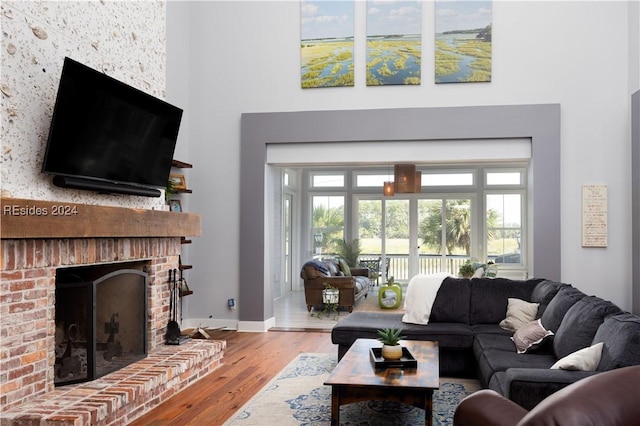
(461, 38)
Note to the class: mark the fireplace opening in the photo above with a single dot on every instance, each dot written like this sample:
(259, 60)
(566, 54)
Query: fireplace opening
(100, 318)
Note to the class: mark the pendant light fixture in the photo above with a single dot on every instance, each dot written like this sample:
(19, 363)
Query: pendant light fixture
(404, 177)
(388, 188)
(406, 181)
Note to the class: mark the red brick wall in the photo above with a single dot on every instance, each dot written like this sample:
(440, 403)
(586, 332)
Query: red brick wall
(27, 301)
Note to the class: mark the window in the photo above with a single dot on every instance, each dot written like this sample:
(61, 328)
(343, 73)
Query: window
(368, 180)
(327, 221)
(504, 228)
(475, 212)
(447, 179)
(504, 178)
(319, 180)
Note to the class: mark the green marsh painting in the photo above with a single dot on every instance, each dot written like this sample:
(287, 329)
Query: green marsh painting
(394, 42)
(326, 43)
(463, 41)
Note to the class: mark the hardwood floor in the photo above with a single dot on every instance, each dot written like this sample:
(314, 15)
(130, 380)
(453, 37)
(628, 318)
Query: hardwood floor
(250, 361)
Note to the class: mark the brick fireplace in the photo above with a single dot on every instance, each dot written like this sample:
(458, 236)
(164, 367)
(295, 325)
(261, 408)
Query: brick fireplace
(34, 247)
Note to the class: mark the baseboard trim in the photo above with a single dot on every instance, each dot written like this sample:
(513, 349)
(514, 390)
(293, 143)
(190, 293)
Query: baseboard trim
(257, 326)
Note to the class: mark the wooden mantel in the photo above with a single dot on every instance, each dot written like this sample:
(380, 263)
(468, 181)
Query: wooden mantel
(30, 219)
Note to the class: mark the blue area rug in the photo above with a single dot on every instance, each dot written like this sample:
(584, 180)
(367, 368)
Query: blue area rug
(297, 396)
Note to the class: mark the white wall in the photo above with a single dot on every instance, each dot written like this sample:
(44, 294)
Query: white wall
(244, 57)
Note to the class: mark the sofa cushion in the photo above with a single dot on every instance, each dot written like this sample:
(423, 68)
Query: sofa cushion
(362, 283)
(366, 325)
(332, 266)
(621, 337)
(544, 292)
(484, 342)
(490, 329)
(452, 301)
(580, 323)
(528, 386)
(489, 296)
(585, 359)
(558, 306)
(494, 360)
(519, 313)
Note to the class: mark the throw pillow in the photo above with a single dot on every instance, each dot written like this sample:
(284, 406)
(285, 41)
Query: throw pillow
(478, 273)
(530, 335)
(519, 313)
(586, 359)
(344, 267)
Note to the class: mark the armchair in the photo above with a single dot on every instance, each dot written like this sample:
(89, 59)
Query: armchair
(609, 398)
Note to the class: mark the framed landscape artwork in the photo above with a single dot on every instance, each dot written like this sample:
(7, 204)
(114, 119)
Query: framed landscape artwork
(178, 181)
(463, 51)
(326, 43)
(394, 42)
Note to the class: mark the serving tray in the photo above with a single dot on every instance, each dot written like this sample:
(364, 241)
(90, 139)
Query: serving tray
(406, 361)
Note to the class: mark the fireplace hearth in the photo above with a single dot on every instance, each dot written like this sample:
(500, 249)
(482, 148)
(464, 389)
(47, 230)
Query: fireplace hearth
(37, 249)
(100, 320)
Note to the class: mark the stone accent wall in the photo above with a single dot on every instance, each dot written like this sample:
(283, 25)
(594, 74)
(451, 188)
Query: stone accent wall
(124, 39)
(27, 297)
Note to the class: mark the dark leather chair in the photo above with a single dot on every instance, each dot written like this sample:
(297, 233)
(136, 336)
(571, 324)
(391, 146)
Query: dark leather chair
(611, 398)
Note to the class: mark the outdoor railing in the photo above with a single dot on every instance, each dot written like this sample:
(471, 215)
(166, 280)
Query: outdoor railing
(428, 264)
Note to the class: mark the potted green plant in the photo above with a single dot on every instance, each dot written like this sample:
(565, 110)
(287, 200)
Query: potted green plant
(170, 189)
(390, 338)
(348, 251)
(466, 270)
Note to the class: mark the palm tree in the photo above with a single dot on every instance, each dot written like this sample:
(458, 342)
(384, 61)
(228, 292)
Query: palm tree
(458, 224)
(330, 222)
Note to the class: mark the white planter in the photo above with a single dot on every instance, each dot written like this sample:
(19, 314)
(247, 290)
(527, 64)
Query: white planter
(391, 352)
(330, 296)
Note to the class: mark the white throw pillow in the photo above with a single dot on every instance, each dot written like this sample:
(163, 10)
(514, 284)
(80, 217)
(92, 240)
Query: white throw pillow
(586, 359)
(519, 313)
(479, 273)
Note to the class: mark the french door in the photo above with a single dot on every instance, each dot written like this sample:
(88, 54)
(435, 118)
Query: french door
(416, 233)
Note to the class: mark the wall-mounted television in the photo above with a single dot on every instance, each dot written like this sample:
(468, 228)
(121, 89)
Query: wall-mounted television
(108, 136)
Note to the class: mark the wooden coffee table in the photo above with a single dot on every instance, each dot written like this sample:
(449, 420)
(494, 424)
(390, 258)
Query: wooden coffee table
(355, 379)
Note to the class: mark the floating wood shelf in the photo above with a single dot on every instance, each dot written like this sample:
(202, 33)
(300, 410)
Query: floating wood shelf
(180, 164)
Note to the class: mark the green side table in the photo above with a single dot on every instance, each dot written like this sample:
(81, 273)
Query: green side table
(390, 296)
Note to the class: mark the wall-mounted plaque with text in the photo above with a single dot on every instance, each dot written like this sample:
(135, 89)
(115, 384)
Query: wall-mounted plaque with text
(594, 215)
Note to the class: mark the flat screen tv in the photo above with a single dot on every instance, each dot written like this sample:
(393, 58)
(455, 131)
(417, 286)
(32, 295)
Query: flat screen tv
(108, 136)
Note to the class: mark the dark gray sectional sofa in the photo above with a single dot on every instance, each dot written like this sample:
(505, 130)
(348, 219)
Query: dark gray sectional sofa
(465, 321)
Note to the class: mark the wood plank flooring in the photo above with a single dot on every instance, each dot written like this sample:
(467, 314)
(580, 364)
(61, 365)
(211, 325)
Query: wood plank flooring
(250, 361)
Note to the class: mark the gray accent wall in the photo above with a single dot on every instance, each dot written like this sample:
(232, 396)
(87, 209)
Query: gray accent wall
(635, 202)
(541, 123)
